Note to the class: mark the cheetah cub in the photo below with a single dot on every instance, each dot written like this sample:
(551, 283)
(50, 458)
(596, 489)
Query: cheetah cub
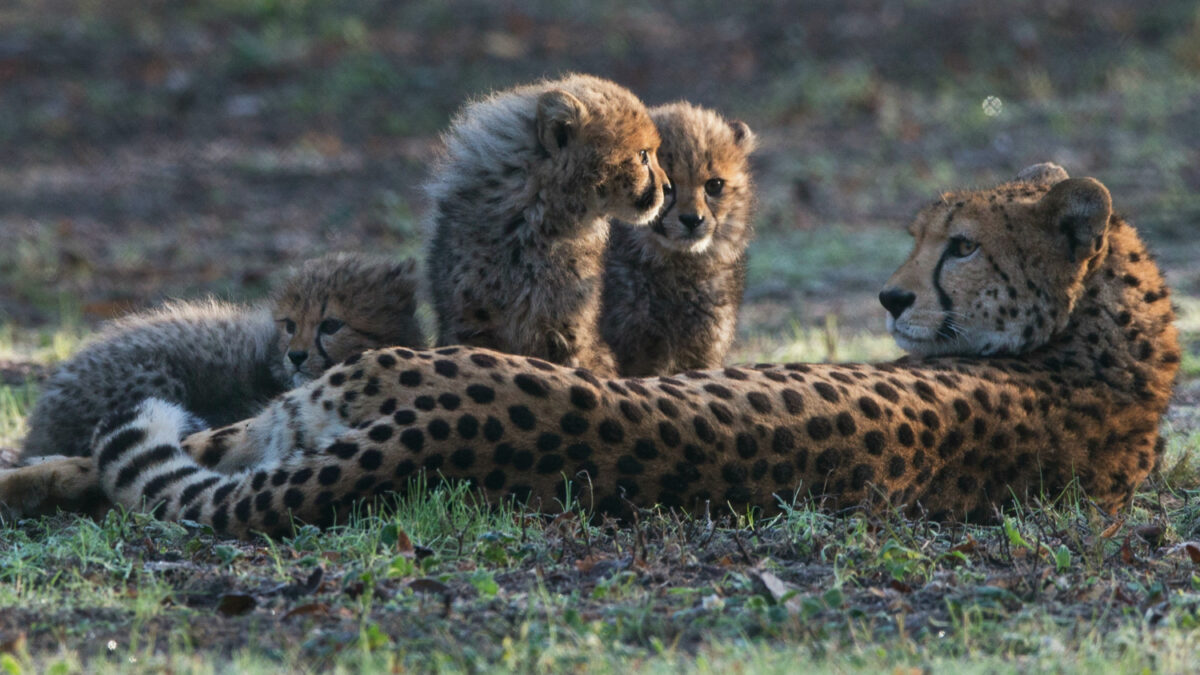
(224, 361)
(672, 290)
(521, 202)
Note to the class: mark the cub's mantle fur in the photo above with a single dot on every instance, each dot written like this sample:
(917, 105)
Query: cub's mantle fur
(224, 361)
(521, 201)
(672, 290)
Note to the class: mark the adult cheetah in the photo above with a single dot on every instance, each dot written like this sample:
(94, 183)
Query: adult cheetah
(521, 203)
(1043, 277)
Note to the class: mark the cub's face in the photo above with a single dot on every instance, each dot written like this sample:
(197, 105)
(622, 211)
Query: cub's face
(318, 334)
(341, 305)
(706, 159)
(602, 150)
(997, 271)
(635, 185)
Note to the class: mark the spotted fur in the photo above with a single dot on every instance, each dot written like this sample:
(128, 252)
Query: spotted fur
(224, 361)
(947, 436)
(672, 290)
(519, 219)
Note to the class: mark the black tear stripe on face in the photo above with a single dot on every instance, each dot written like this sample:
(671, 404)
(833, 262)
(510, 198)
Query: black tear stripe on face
(659, 225)
(321, 350)
(946, 330)
(372, 336)
(646, 199)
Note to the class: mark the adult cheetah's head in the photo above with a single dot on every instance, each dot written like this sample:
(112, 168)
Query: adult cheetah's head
(602, 148)
(998, 271)
(705, 156)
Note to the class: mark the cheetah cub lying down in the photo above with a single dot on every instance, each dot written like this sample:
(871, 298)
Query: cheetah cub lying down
(222, 361)
(672, 290)
(521, 202)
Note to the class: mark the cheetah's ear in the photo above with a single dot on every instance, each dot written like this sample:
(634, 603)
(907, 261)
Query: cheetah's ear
(559, 118)
(403, 282)
(745, 139)
(1046, 173)
(1078, 209)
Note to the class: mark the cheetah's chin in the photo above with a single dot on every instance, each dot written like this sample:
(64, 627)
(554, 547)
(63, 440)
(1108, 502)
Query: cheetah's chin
(692, 245)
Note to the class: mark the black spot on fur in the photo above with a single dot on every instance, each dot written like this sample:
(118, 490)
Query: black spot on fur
(704, 430)
(583, 398)
(819, 428)
(522, 416)
(611, 431)
(826, 391)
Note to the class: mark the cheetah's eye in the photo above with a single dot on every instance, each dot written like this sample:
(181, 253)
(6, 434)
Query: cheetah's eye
(644, 155)
(330, 326)
(961, 247)
(289, 326)
(714, 186)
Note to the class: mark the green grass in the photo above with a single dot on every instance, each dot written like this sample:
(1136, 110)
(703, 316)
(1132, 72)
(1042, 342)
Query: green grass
(295, 126)
(441, 581)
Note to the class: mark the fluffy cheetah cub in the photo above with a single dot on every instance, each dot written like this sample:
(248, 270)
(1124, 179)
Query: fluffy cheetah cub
(224, 361)
(521, 202)
(672, 290)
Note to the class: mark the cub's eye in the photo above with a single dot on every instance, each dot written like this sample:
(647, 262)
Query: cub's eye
(714, 186)
(289, 326)
(961, 247)
(329, 326)
(644, 155)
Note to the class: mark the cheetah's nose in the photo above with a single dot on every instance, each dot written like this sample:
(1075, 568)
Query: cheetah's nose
(691, 220)
(297, 357)
(896, 300)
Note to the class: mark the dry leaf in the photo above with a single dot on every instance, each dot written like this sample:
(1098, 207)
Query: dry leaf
(427, 585)
(585, 565)
(1153, 534)
(775, 587)
(235, 604)
(310, 608)
(404, 545)
(1111, 531)
(1127, 556)
(967, 547)
(1193, 552)
(900, 586)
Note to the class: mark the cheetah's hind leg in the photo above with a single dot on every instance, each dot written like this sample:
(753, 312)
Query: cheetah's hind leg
(137, 453)
(45, 485)
(50, 484)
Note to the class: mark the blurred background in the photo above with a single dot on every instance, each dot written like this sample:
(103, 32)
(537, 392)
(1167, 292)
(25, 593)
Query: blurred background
(153, 149)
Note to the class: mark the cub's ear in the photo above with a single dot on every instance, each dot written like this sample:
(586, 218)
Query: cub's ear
(403, 283)
(1078, 210)
(1046, 173)
(745, 139)
(559, 118)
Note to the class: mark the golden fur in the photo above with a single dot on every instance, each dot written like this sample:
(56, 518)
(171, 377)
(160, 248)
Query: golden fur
(947, 436)
(672, 290)
(521, 200)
